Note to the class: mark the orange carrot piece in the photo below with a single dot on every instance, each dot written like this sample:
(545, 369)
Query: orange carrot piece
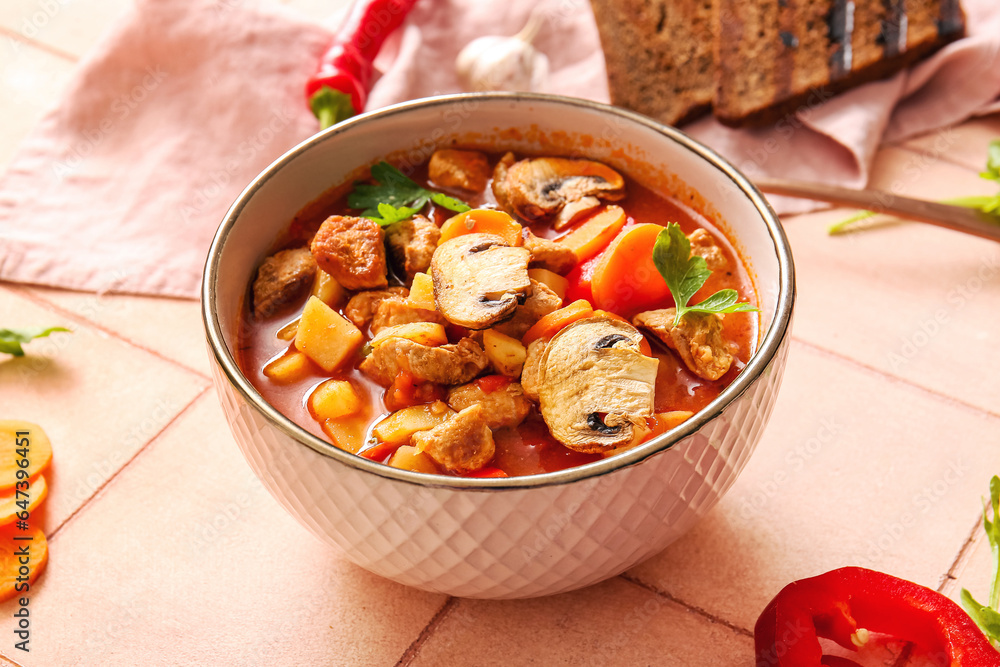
(592, 236)
(662, 422)
(380, 451)
(549, 324)
(482, 221)
(21, 440)
(10, 560)
(32, 493)
(488, 472)
(625, 280)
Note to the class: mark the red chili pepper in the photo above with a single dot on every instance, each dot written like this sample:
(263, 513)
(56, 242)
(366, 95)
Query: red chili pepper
(339, 89)
(843, 604)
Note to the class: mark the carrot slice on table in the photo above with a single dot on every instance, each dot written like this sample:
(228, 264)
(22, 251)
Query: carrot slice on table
(10, 559)
(482, 221)
(592, 236)
(626, 280)
(30, 498)
(22, 440)
(549, 324)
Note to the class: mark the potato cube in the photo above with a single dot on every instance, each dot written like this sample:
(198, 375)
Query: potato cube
(410, 458)
(400, 425)
(505, 353)
(287, 332)
(422, 292)
(327, 289)
(347, 434)
(326, 337)
(431, 334)
(550, 279)
(334, 399)
(289, 367)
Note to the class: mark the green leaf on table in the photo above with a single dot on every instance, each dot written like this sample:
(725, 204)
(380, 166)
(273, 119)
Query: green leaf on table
(12, 339)
(685, 274)
(399, 191)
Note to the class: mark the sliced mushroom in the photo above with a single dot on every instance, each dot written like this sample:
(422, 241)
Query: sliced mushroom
(479, 279)
(537, 188)
(697, 339)
(595, 387)
(574, 211)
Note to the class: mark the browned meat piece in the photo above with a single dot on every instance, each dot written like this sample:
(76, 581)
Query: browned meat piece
(703, 245)
(462, 444)
(282, 278)
(447, 364)
(541, 302)
(546, 254)
(502, 407)
(412, 243)
(363, 305)
(697, 339)
(395, 310)
(529, 373)
(450, 168)
(350, 249)
(500, 192)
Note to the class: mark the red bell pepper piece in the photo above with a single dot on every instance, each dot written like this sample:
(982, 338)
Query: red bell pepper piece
(339, 89)
(843, 604)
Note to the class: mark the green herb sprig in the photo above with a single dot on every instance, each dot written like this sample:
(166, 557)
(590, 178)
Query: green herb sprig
(987, 617)
(988, 204)
(12, 339)
(396, 197)
(685, 274)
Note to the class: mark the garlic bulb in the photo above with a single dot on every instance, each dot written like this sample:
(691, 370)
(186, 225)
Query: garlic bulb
(504, 63)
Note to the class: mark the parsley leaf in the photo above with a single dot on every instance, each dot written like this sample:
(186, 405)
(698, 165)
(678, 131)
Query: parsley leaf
(685, 274)
(399, 194)
(988, 617)
(11, 339)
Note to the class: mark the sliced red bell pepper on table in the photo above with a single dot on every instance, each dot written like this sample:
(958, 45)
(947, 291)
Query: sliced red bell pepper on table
(846, 605)
(339, 89)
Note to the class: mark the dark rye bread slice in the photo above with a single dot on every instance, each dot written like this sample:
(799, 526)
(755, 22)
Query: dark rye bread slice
(776, 57)
(660, 55)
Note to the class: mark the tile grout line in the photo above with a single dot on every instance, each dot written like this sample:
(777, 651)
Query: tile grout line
(690, 607)
(950, 575)
(896, 379)
(97, 492)
(9, 661)
(20, 290)
(41, 46)
(411, 651)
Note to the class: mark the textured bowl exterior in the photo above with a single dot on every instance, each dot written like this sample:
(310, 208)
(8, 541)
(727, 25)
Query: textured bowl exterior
(507, 543)
(498, 538)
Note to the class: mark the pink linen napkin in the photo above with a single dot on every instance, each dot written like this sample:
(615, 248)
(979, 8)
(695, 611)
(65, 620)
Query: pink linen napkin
(122, 185)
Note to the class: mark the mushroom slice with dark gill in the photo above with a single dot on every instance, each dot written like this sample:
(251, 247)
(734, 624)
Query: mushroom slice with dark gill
(479, 279)
(538, 188)
(595, 387)
(697, 339)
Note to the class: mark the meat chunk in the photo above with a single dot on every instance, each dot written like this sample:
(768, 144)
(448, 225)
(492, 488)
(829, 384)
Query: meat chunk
(412, 243)
(546, 254)
(697, 339)
(532, 363)
(452, 168)
(542, 301)
(282, 278)
(350, 249)
(447, 364)
(362, 307)
(395, 310)
(500, 191)
(462, 444)
(507, 406)
(703, 245)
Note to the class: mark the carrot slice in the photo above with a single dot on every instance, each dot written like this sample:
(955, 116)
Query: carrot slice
(488, 472)
(592, 236)
(626, 280)
(29, 497)
(21, 440)
(378, 452)
(549, 324)
(482, 221)
(16, 569)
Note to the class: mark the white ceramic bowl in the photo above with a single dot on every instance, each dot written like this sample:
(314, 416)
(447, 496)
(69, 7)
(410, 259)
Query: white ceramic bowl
(521, 536)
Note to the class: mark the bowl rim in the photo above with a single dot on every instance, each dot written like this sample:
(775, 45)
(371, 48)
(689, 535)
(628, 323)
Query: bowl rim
(751, 372)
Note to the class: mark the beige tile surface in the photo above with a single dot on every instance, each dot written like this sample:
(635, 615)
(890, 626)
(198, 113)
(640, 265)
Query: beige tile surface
(71, 26)
(187, 560)
(864, 471)
(964, 145)
(99, 399)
